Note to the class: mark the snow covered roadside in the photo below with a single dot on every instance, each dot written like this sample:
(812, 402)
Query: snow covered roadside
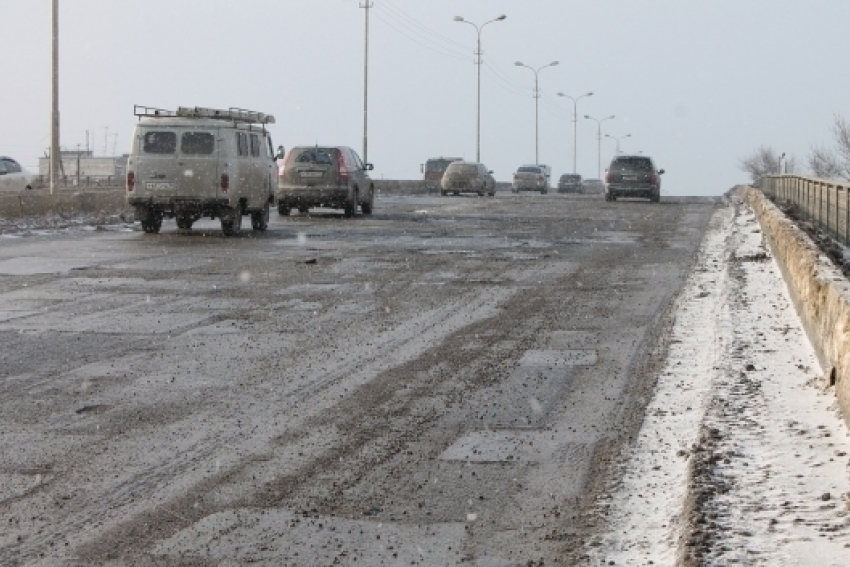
(742, 456)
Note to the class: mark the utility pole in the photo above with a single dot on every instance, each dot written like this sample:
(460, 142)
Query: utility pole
(78, 165)
(55, 157)
(367, 6)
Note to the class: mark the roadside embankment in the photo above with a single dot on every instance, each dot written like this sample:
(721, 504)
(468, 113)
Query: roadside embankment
(38, 203)
(819, 290)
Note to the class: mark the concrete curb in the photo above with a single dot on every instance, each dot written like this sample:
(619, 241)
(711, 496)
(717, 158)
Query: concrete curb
(820, 292)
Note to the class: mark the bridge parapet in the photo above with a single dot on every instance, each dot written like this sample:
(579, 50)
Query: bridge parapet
(823, 202)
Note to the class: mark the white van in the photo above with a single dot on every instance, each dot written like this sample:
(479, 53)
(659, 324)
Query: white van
(201, 162)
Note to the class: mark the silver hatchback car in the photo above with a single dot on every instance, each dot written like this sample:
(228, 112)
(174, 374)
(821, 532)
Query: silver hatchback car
(468, 177)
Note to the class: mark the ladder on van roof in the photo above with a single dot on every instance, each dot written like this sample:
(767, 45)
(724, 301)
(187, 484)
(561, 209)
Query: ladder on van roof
(234, 114)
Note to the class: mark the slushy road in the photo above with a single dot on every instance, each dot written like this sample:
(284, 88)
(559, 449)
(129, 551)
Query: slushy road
(443, 381)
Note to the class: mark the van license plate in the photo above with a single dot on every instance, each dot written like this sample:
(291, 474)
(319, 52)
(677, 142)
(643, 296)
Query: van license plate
(159, 185)
(311, 174)
(630, 178)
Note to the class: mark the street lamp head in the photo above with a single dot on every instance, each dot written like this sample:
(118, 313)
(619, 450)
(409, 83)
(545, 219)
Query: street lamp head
(458, 18)
(588, 116)
(589, 94)
(627, 136)
(553, 63)
(561, 94)
(519, 64)
(500, 18)
(610, 117)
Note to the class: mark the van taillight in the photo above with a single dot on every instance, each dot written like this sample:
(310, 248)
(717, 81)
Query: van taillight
(653, 178)
(225, 182)
(131, 181)
(607, 177)
(344, 176)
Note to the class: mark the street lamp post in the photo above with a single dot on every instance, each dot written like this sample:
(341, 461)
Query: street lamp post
(599, 141)
(617, 139)
(575, 125)
(478, 62)
(536, 105)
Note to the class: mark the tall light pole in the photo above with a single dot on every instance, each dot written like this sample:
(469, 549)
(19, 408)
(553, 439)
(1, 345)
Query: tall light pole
(599, 141)
(536, 105)
(367, 6)
(575, 124)
(617, 139)
(479, 60)
(54, 115)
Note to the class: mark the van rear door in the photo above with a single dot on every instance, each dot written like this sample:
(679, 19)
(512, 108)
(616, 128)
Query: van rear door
(177, 162)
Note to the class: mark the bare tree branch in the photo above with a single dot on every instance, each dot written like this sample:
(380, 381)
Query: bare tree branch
(762, 161)
(825, 164)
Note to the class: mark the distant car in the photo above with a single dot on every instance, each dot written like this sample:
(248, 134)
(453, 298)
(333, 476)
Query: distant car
(434, 168)
(325, 176)
(13, 177)
(570, 183)
(633, 176)
(593, 186)
(531, 178)
(468, 177)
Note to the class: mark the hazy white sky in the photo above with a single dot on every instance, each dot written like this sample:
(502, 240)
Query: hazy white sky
(697, 84)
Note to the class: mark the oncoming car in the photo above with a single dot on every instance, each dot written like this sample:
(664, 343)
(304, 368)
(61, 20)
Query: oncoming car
(468, 177)
(633, 176)
(13, 177)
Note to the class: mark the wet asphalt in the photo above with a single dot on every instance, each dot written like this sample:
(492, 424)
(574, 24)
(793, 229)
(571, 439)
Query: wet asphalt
(442, 382)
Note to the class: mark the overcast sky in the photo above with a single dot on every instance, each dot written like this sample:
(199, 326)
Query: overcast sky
(697, 84)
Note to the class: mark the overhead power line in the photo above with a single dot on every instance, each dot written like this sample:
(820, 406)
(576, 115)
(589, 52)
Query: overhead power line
(436, 49)
(402, 14)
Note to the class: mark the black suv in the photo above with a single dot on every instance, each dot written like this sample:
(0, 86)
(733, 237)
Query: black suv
(633, 176)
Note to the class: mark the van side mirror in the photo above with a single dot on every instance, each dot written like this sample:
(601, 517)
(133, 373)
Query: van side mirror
(280, 153)
(660, 172)
(421, 168)
(490, 172)
(369, 167)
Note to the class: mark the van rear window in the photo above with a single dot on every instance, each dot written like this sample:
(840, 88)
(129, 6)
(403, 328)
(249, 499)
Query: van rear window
(160, 142)
(197, 143)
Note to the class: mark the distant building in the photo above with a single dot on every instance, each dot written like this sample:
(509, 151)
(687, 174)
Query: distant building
(92, 167)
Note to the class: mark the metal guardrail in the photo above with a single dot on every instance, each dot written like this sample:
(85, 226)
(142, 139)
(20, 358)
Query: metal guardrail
(823, 202)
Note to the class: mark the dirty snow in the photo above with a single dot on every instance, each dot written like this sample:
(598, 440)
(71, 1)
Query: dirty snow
(742, 457)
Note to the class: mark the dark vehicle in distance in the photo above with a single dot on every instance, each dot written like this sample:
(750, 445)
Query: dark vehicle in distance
(570, 183)
(324, 176)
(633, 176)
(468, 177)
(593, 186)
(434, 168)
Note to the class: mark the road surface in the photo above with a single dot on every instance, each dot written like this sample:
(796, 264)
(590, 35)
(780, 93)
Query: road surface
(442, 382)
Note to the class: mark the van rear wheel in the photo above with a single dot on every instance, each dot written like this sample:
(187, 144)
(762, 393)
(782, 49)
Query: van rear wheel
(260, 219)
(231, 221)
(152, 221)
(283, 210)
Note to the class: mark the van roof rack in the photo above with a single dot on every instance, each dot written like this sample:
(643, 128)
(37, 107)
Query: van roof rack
(234, 114)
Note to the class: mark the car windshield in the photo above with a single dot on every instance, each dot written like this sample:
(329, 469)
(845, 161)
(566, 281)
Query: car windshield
(631, 164)
(570, 178)
(526, 169)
